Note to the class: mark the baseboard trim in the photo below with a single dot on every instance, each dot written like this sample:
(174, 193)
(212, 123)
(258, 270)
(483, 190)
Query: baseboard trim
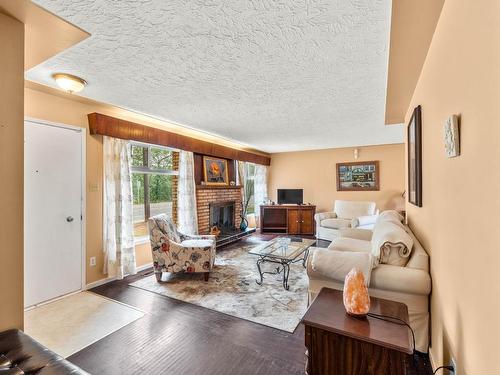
(145, 267)
(97, 283)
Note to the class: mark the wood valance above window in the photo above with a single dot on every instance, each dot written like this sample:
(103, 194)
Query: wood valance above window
(118, 128)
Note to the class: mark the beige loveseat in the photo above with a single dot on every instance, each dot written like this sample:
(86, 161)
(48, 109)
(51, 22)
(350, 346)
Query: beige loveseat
(410, 284)
(345, 214)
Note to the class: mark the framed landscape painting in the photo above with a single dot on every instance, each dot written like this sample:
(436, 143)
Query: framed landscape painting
(215, 171)
(415, 158)
(358, 176)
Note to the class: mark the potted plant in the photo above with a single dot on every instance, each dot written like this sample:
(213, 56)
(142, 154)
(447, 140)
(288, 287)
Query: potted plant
(248, 195)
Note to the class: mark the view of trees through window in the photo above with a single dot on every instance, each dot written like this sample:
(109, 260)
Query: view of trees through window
(152, 180)
(250, 187)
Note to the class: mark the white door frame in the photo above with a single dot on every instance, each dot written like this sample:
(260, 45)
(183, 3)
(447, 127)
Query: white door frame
(83, 133)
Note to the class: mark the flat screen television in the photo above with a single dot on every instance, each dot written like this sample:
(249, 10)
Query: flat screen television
(290, 196)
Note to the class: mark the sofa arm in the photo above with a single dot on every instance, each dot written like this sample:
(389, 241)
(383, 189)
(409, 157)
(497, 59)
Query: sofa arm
(401, 279)
(363, 220)
(324, 215)
(356, 233)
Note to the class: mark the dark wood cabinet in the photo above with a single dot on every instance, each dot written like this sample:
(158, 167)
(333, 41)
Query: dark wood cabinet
(338, 344)
(287, 219)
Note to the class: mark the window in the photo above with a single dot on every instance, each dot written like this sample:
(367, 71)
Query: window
(249, 188)
(153, 179)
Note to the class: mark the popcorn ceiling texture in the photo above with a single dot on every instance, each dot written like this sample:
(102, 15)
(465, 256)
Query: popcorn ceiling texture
(276, 75)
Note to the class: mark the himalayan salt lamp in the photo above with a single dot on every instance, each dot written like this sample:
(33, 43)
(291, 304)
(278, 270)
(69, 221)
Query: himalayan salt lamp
(356, 298)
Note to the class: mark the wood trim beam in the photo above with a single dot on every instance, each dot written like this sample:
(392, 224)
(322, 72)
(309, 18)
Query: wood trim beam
(114, 127)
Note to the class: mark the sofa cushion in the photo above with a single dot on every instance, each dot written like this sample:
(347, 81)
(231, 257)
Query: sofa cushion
(337, 264)
(350, 244)
(401, 279)
(357, 233)
(352, 209)
(336, 223)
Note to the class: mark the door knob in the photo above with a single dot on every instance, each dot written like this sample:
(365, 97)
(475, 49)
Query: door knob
(69, 219)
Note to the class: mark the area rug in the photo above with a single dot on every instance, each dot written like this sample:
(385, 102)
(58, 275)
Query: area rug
(232, 289)
(72, 323)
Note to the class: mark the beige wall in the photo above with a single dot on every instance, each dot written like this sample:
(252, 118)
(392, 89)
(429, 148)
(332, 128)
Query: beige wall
(63, 109)
(314, 171)
(11, 170)
(459, 220)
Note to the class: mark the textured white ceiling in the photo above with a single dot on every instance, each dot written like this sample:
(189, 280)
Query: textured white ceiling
(277, 75)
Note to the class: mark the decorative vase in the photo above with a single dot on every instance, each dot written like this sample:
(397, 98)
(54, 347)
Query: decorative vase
(243, 224)
(356, 297)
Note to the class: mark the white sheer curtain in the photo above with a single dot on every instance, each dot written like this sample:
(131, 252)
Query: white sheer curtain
(242, 177)
(119, 249)
(187, 215)
(260, 194)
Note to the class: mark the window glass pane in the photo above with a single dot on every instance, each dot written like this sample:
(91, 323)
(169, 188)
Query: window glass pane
(161, 159)
(139, 209)
(158, 189)
(160, 194)
(139, 156)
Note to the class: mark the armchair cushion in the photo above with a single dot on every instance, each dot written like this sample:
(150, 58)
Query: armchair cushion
(197, 243)
(352, 209)
(198, 237)
(324, 215)
(336, 223)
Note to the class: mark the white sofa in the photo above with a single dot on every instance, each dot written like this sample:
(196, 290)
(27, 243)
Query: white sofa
(410, 284)
(345, 214)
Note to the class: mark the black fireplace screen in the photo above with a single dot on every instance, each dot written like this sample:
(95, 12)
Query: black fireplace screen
(222, 215)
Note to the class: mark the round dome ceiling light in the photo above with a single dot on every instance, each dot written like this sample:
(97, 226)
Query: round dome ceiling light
(69, 82)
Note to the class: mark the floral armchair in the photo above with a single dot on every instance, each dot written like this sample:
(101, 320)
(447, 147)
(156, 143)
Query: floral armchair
(177, 252)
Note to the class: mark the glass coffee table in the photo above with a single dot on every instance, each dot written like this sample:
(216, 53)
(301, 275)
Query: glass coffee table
(282, 251)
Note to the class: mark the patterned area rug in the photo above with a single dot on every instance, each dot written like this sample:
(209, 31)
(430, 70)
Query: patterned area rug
(232, 289)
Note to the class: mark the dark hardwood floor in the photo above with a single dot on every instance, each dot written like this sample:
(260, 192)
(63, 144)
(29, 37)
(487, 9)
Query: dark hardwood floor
(179, 338)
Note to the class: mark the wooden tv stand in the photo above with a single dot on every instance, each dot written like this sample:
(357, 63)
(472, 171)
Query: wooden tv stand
(288, 219)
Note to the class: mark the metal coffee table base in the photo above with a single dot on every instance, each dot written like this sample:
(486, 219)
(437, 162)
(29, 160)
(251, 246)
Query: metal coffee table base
(285, 267)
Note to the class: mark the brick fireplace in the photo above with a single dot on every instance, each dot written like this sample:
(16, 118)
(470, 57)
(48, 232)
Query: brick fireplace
(216, 195)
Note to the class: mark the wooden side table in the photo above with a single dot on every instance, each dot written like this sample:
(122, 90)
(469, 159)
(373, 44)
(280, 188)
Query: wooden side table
(338, 344)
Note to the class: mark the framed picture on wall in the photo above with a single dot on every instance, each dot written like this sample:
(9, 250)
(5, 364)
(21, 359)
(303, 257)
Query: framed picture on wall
(358, 176)
(215, 171)
(415, 158)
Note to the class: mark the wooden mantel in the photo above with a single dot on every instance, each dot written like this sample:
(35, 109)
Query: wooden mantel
(118, 128)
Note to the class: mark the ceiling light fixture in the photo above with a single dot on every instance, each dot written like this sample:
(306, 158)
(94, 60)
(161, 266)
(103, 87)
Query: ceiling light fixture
(69, 82)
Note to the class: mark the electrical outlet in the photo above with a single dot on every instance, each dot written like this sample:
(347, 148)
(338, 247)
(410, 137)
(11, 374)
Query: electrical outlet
(453, 363)
(92, 261)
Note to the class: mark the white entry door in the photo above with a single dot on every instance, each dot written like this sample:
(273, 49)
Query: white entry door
(52, 211)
